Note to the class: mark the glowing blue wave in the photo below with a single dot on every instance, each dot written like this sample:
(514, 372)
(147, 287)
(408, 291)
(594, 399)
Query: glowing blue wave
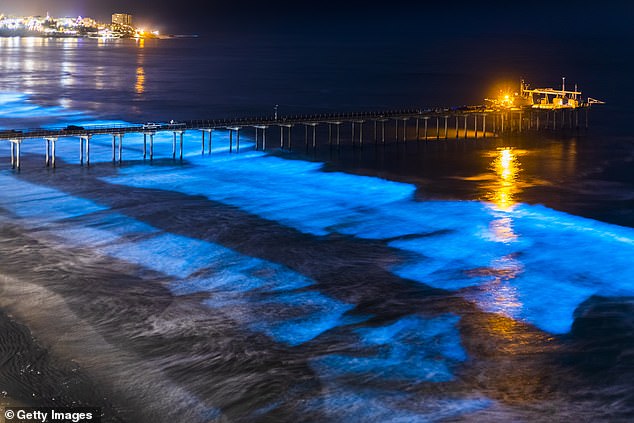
(525, 262)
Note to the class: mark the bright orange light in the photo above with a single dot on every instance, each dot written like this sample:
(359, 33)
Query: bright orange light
(507, 168)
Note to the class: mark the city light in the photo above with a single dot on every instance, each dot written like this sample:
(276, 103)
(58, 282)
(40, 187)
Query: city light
(121, 27)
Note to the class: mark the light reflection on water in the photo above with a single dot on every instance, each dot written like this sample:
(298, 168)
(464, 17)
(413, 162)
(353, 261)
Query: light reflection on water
(499, 295)
(139, 86)
(507, 168)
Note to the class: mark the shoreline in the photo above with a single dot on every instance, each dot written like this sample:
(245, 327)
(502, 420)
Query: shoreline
(31, 372)
(27, 34)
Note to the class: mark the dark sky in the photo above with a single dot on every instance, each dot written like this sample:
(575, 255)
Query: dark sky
(438, 17)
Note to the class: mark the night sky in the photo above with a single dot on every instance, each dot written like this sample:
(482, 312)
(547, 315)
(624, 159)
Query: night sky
(431, 19)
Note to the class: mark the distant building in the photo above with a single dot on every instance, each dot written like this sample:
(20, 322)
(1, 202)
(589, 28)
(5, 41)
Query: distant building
(122, 19)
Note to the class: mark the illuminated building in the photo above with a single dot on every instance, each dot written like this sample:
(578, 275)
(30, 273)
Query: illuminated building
(541, 98)
(122, 19)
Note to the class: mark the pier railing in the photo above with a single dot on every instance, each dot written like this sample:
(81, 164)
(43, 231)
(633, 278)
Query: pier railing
(430, 123)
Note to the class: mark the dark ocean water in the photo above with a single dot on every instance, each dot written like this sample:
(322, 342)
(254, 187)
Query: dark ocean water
(458, 280)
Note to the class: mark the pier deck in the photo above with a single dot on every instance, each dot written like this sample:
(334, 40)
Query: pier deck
(446, 123)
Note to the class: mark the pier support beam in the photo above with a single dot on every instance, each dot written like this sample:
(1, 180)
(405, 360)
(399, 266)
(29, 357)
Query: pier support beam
(352, 136)
(263, 128)
(376, 140)
(50, 151)
(264, 138)
(114, 148)
(281, 136)
(396, 131)
(417, 129)
(465, 126)
(151, 134)
(314, 142)
(383, 131)
(211, 133)
(84, 141)
(446, 127)
(117, 147)
(437, 128)
(405, 129)
(314, 125)
(426, 118)
(120, 147)
(181, 144)
(16, 145)
(361, 122)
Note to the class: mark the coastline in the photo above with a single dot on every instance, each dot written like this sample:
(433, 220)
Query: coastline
(30, 374)
(64, 364)
(35, 34)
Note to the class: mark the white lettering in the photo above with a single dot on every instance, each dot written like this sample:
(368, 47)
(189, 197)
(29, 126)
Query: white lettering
(33, 415)
(74, 417)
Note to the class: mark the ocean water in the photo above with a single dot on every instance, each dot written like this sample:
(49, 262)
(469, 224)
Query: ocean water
(457, 280)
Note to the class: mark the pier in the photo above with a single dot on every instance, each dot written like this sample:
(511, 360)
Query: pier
(402, 126)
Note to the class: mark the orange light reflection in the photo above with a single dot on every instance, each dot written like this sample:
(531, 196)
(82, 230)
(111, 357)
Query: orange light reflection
(139, 86)
(507, 168)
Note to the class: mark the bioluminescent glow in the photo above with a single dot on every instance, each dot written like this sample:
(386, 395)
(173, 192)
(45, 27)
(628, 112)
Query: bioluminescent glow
(530, 253)
(429, 346)
(16, 106)
(342, 403)
(533, 250)
(196, 265)
(515, 260)
(41, 204)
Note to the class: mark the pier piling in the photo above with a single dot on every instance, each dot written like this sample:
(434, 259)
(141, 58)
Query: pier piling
(501, 121)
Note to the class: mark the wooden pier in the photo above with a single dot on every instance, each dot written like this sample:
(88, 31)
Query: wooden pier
(377, 127)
